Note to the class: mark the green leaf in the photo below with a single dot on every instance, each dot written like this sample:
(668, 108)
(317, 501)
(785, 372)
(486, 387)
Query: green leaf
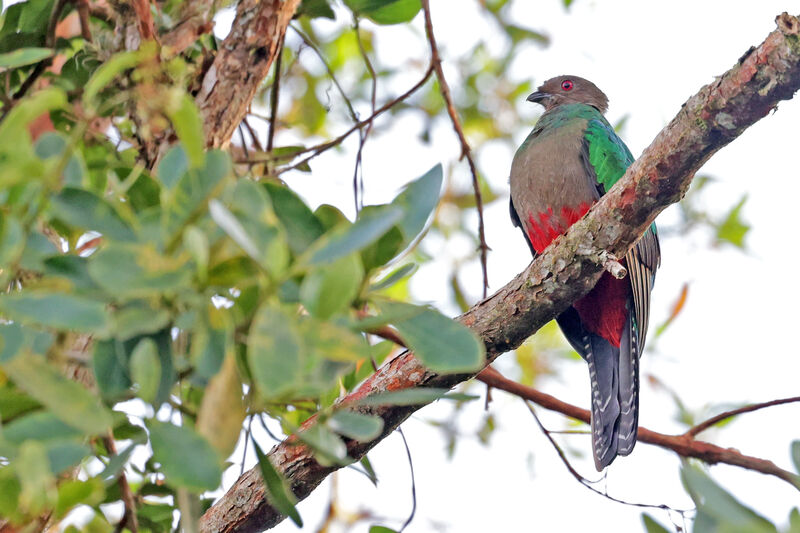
(274, 352)
(24, 56)
(440, 343)
(110, 367)
(418, 200)
(230, 225)
(651, 525)
(172, 166)
(346, 239)
(331, 288)
(67, 399)
(414, 396)
(356, 426)
(794, 521)
(316, 9)
(63, 455)
(138, 317)
(381, 529)
(796, 455)
(74, 492)
(222, 411)
(719, 506)
(188, 125)
(42, 426)
(134, 270)
(369, 470)
(331, 341)
(278, 492)
(14, 403)
(192, 190)
(12, 240)
(118, 63)
(328, 447)
(302, 226)
(56, 310)
(146, 369)
(38, 483)
(82, 209)
(733, 229)
(14, 126)
(186, 458)
(386, 11)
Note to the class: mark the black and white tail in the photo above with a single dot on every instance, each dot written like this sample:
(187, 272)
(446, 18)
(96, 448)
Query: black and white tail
(614, 378)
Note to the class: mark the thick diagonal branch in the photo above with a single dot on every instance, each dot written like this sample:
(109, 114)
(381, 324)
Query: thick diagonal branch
(568, 269)
(241, 64)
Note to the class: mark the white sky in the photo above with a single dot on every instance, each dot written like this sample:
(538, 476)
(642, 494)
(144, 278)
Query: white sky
(731, 343)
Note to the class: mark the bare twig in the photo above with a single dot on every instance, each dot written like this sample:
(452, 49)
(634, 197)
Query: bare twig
(358, 184)
(82, 7)
(320, 148)
(129, 516)
(311, 44)
(273, 97)
(683, 445)
(413, 482)
(144, 19)
(590, 484)
(466, 151)
(702, 426)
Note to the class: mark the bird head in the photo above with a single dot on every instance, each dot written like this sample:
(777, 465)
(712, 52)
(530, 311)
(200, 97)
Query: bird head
(569, 90)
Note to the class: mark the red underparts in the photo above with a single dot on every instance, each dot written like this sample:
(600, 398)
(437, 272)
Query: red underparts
(603, 311)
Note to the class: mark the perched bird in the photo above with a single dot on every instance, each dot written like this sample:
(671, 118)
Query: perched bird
(569, 160)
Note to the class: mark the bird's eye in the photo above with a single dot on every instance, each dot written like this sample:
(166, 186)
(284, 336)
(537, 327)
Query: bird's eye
(567, 85)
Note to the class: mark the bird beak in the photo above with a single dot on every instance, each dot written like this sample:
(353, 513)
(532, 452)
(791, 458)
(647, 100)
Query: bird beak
(537, 97)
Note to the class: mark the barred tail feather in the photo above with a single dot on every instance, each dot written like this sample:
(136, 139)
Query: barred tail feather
(628, 387)
(603, 361)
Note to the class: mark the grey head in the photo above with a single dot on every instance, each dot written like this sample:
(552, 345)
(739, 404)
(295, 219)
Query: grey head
(569, 90)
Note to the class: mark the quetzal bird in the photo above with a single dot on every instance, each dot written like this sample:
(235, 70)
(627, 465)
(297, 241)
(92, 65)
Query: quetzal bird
(569, 160)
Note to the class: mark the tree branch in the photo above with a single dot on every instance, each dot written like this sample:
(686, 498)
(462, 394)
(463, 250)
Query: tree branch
(566, 270)
(684, 445)
(702, 426)
(241, 64)
(466, 151)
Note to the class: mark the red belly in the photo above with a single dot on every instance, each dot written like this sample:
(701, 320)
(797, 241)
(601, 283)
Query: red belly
(604, 310)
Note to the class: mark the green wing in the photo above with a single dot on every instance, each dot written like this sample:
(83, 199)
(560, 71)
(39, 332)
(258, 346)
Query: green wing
(606, 158)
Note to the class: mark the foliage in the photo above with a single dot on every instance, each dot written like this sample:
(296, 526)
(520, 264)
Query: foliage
(197, 286)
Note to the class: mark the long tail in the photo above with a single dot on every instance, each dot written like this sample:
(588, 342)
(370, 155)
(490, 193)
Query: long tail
(614, 377)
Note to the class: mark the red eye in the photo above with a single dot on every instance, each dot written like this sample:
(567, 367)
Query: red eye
(566, 85)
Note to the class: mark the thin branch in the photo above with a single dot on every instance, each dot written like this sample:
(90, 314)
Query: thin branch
(253, 135)
(144, 19)
(702, 426)
(709, 120)
(311, 44)
(82, 7)
(273, 97)
(413, 482)
(129, 516)
(590, 484)
(466, 151)
(683, 445)
(358, 184)
(320, 148)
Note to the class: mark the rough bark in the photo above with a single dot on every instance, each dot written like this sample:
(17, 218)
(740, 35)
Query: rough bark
(568, 269)
(241, 64)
